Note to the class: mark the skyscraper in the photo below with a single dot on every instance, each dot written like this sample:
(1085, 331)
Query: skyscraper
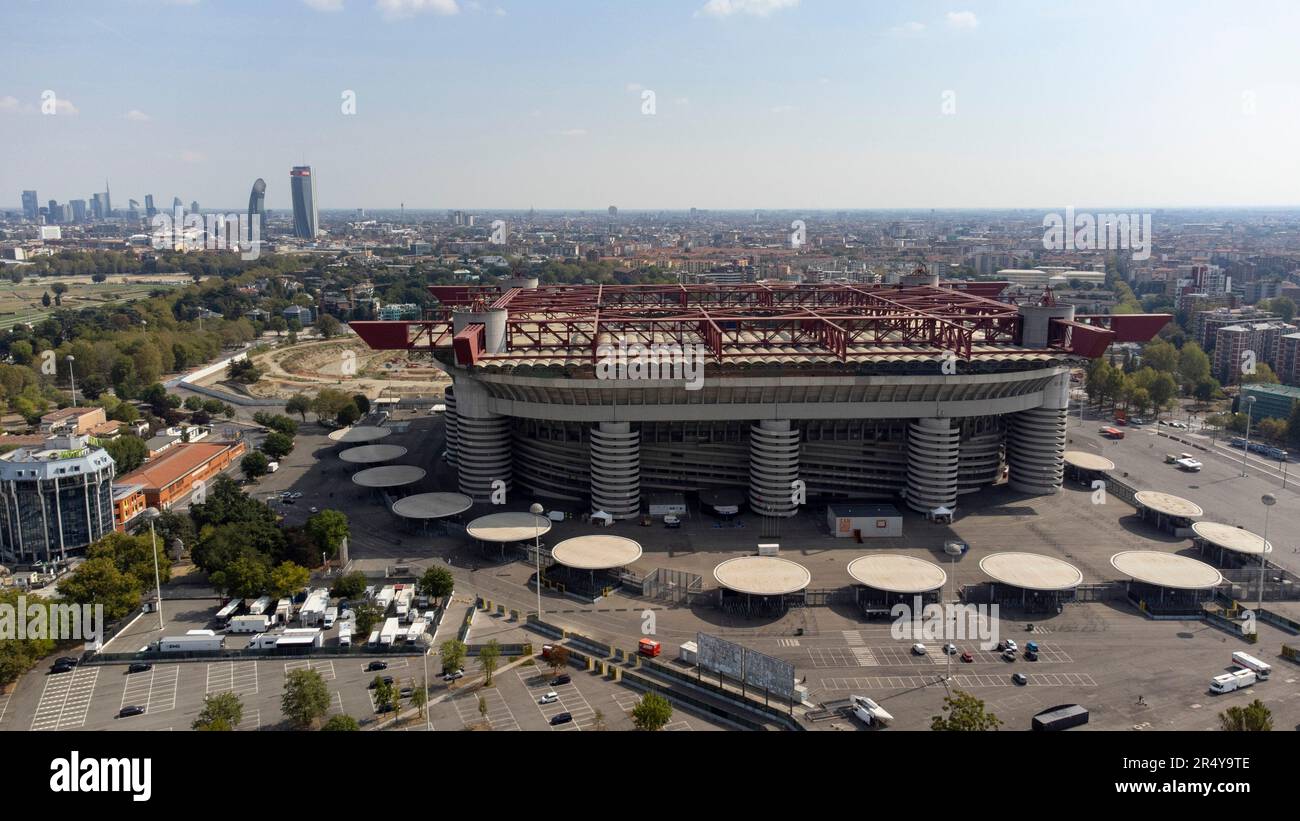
(31, 207)
(149, 210)
(257, 210)
(78, 210)
(194, 206)
(303, 186)
(108, 201)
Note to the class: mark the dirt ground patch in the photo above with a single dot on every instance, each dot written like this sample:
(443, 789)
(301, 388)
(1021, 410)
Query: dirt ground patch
(346, 364)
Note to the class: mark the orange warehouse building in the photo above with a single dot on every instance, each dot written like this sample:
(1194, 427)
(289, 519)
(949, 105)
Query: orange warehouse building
(172, 476)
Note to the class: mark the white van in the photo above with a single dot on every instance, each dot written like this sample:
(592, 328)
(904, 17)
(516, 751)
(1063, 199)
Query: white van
(1229, 682)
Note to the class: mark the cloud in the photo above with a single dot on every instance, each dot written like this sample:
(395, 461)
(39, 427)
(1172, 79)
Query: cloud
(324, 5)
(909, 29)
(399, 9)
(963, 20)
(754, 8)
(10, 105)
(633, 87)
(62, 106)
(137, 116)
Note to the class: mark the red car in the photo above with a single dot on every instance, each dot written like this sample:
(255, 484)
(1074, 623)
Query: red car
(967, 657)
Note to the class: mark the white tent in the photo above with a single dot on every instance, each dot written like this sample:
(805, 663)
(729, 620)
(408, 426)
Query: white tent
(941, 514)
(600, 517)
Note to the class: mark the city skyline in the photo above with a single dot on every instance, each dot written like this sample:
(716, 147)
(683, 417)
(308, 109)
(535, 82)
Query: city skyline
(999, 105)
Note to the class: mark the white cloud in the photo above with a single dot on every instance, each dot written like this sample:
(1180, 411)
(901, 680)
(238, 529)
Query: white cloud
(963, 19)
(62, 106)
(399, 9)
(10, 104)
(136, 115)
(324, 5)
(634, 87)
(755, 8)
(909, 29)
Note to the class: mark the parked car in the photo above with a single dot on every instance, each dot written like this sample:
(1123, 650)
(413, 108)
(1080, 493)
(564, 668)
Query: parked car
(453, 675)
(139, 667)
(1020, 678)
(550, 698)
(950, 649)
(560, 679)
(385, 679)
(918, 649)
(561, 718)
(68, 660)
(376, 665)
(1031, 655)
(1009, 644)
(60, 667)
(1009, 655)
(133, 710)
(967, 657)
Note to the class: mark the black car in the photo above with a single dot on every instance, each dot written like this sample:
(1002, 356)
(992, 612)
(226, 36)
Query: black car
(60, 667)
(1020, 678)
(561, 718)
(1030, 655)
(407, 692)
(558, 680)
(140, 667)
(133, 710)
(68, 660)
(384, 708)
(376, 665)
(386, 680)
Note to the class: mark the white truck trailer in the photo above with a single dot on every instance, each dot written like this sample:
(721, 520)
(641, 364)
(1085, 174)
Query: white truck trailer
(191, 643)
(249, 624)
(1261, 668)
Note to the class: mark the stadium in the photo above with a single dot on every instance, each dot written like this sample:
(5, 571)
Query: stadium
(788, 392)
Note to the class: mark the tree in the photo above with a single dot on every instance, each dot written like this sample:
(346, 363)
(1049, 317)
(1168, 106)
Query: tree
(420, 697)
(964, 713)
(243, 371)
(489, 655)
(362, 402)
(59, 290)
(327, 530)
(436, 582)
(349, 586)
(385, 693)
(329, 402)
(254, 464)
(128, 452)
(299, 404)
(348, 414)
(598, 721)
(221, 711)
(134, 556)
(652, 713)
(277, 445)
(99, 581)
(246, 577)
(1161, 356)
(328, 326)
(1263, 375)
(1255, 717)
(45, 299)
(1193, 364)
(367, 617)
(287, 579)
(558, 658)
(1293, 426)
(305, 699)
(453, 655)
(341, 724)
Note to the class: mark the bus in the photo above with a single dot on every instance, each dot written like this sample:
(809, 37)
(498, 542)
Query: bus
(225, 614)
(1111, 433)
(1060, 717)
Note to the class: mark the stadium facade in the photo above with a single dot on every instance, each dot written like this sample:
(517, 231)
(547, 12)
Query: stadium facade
(830, 391)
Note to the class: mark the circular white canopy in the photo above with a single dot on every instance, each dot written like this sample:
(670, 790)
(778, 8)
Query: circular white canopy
(596, 552)
(1031, 571)
(388, 476)
(762, 575)
(508, 527)
(898, 574)
(1166, 569)
(432, 505)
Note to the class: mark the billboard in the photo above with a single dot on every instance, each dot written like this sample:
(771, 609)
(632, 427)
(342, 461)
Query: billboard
(742, 664)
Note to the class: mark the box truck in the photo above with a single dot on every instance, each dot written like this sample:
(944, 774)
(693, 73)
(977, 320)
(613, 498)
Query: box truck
(1229, 682)
(869, 712)
(199, 643)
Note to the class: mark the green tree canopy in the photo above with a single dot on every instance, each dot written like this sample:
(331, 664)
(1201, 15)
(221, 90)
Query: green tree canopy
(652, 713)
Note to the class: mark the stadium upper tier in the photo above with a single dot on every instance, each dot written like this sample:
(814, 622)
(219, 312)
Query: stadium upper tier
(571, 326)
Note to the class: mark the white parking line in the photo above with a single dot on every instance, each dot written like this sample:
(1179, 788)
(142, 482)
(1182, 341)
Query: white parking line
(4, 707)
(325, 668)
(499, 715)
(571, 700)
(162, 692)
(65, 700)
(136, 691)
(252, 720)
(232, 677)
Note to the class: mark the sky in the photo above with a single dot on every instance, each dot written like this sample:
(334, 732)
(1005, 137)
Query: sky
(817, 104)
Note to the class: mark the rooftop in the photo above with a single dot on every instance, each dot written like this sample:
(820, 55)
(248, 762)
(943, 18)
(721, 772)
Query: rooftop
(175, 464)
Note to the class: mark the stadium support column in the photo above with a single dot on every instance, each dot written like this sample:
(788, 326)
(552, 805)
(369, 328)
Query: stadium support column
(483, 443)
(1036, 441)
(933, 448)
(773, 468)
(449, 423)
(616, 470)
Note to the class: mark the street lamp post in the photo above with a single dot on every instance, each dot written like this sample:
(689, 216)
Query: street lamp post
(72, 377)
(151, 514)
(537, 510)
(1269, 500)
(1248, 401)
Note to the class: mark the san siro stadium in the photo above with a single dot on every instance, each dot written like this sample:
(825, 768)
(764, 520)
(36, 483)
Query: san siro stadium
(602, 394)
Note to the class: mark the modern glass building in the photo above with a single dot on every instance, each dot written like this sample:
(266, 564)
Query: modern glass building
(56, 499)
(303, 186)
(257, 211)
(31, 206)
